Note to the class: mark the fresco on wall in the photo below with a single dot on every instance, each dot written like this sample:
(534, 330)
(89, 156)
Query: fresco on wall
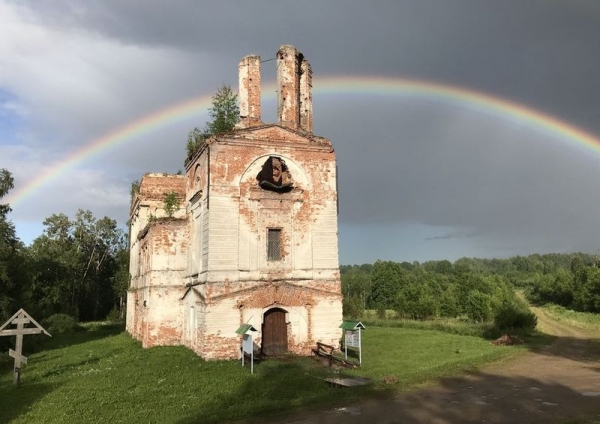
(275, 176)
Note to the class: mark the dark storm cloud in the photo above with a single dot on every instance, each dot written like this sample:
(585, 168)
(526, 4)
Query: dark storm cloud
(502, 186)
(485, 176)
(454, 235)
(540, 52)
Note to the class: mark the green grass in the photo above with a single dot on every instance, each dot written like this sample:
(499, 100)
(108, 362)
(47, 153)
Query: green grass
(102, 375)
(586, 320)
(452, 326)
(415, 356)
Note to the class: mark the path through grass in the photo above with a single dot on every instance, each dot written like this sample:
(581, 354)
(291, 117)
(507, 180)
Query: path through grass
(585, 320)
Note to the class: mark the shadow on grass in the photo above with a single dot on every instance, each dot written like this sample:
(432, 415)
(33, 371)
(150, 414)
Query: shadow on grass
(278, 388)
(16, 400)
(67, 367)
(41, 343)
(353, 355)
(86, 334)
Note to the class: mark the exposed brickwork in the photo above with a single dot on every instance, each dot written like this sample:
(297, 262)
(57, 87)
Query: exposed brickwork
(249, 91)
(197, 277)
(155, 291)
(306, 110)
(288, 85)
(155, 186)
(281, 294)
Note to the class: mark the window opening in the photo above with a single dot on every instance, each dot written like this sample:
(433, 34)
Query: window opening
(274, 244)
(275, 176)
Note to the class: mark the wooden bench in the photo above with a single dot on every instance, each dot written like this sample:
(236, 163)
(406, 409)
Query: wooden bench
(326, 351)
(323, 348)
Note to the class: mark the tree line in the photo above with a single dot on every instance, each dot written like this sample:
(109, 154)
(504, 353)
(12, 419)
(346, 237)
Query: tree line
(78, 267)
(576, 287)
(476, 289)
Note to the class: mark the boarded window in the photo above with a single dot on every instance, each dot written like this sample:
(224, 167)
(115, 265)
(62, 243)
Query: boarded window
(274, 244)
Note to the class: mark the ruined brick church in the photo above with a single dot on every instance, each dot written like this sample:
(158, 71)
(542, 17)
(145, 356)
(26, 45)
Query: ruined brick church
(255, 240)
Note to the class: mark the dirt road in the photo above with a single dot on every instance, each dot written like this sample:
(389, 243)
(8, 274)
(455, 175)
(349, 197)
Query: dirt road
(560, 383)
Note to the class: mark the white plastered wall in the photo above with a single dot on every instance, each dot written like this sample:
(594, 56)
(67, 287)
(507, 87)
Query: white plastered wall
(269, 212)
(326, 318)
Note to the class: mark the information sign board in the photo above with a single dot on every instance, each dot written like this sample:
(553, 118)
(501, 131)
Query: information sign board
(247, 343)
(352, 339)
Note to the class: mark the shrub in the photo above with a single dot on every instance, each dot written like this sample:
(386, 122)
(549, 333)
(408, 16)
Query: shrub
(417, 301)
(352, 307)
(478, 307)
(60, 323)
(114, 315)
(448, 304)
(171, 203)
(512, 316)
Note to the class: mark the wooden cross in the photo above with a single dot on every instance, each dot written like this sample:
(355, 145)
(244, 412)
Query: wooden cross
(20, 319)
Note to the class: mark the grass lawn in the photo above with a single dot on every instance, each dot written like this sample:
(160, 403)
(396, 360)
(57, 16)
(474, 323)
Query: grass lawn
(415, 356)
(102, 375)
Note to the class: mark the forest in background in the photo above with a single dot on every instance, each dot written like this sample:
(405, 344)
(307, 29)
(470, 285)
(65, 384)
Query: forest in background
(473, 289)
(78, 267)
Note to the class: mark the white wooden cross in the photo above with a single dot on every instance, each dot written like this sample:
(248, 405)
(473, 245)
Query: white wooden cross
(20, 319)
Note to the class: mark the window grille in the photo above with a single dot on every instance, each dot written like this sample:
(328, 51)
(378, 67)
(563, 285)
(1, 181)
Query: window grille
(274, 244)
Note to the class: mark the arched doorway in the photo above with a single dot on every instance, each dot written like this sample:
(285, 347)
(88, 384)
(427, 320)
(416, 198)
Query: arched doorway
(274, 333)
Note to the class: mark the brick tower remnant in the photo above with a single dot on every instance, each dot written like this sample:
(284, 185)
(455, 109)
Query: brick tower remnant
(255, 240)
(249, 91)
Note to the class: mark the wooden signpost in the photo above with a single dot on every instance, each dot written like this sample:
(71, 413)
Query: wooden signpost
(20, 319)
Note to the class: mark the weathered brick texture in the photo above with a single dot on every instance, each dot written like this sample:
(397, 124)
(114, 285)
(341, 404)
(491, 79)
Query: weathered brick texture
(249, 91)
(288, 85)
(306, 118)
(199, 275)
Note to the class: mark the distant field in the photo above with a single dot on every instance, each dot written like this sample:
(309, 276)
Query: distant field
(451, 325)
(465, 326)
(102, 375)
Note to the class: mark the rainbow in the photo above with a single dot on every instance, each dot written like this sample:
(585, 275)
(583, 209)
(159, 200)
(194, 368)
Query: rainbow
(351, 85)
(117, 137)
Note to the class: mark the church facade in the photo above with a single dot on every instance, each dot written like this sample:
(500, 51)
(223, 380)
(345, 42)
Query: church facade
(256, 238)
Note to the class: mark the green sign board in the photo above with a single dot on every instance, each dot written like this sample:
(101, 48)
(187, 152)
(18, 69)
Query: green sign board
(352, 337)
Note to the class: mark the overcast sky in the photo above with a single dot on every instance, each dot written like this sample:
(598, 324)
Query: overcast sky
(421, 177)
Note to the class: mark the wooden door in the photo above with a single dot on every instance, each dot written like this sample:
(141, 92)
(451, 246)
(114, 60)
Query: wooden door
(274, 333)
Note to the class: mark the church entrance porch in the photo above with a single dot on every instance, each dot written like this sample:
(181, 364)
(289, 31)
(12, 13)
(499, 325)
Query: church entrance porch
(274, 333)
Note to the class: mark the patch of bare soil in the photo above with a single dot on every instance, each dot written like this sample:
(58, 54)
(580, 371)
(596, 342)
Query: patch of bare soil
(507, 340)
(560, 383)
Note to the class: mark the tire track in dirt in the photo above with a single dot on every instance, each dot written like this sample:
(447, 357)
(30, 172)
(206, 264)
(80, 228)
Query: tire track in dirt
(558, 383)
